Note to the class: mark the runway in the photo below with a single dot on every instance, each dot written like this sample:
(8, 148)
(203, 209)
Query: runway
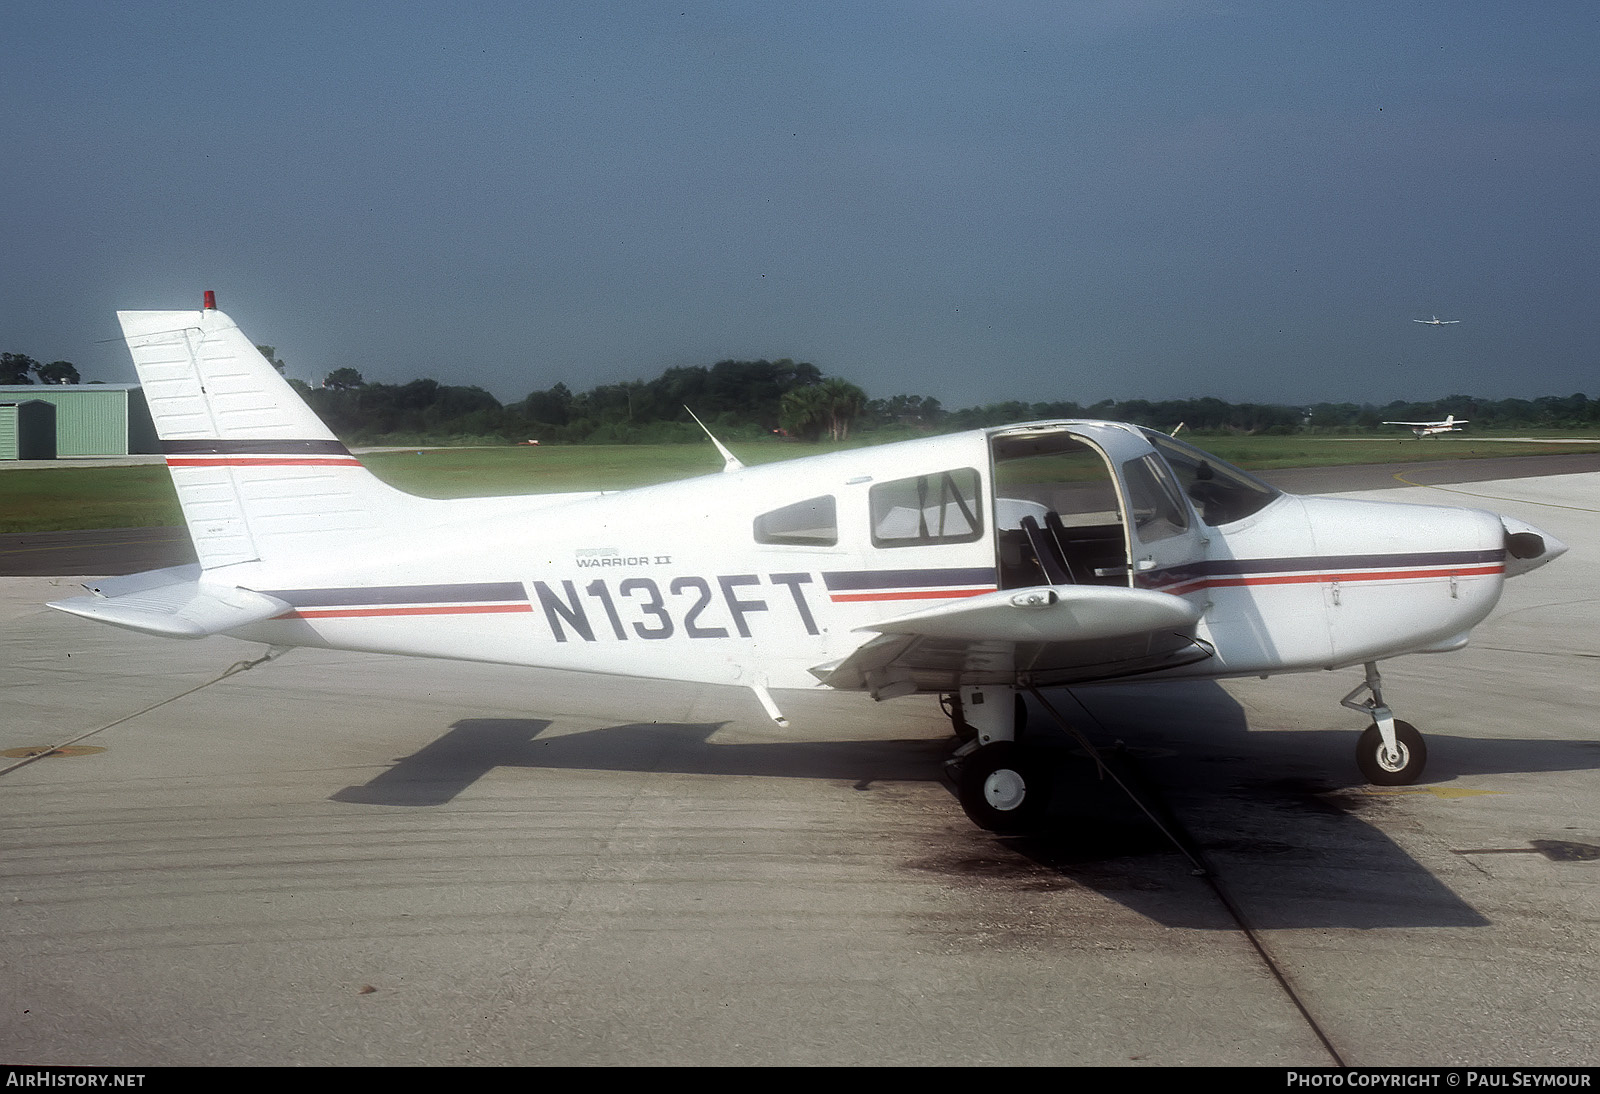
(336, 858)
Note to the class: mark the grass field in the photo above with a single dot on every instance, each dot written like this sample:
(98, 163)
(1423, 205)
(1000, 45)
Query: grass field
(67, 498)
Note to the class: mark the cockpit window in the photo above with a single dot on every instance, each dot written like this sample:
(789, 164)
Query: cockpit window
(1158, 511)
(810, 523)
(938, 508)
(1220, 491)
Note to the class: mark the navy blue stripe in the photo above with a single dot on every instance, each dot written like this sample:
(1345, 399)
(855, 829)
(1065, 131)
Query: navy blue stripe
(217, 447)
(907, 579)
(475, 593)
(1239, 566)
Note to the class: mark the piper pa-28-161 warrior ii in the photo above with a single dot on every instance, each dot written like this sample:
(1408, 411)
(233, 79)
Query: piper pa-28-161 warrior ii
(1427, 429)
(977, 566)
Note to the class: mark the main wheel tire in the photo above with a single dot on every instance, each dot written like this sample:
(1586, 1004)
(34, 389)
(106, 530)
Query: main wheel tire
(1002, 789)
(1384, 770)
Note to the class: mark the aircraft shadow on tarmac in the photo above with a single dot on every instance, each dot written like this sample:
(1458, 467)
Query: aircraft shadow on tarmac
(1279, 815)
(475, 746)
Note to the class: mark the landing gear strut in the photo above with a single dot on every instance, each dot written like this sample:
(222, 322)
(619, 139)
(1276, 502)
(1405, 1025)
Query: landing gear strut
(954, 709)
(1001, 785)
(1390, 752)
(950, 703)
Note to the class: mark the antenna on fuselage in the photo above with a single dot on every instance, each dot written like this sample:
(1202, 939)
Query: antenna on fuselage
(730, 462)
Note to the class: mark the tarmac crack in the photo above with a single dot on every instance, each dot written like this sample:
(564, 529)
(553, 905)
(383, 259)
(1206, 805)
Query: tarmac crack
(1175, 830)
(272, 653)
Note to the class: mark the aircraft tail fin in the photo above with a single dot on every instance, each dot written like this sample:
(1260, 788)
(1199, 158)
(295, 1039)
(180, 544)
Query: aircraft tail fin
(257, 473)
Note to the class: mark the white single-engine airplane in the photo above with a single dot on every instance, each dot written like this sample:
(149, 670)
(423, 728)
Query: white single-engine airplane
(1436, 321)
(977, 566)
(1451, 424)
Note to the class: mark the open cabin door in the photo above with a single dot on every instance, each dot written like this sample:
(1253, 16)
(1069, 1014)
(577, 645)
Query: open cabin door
(1087, 504)
(1089, 523)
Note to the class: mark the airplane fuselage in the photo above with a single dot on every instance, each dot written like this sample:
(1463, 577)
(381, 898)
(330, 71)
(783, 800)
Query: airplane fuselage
(976, 565)
(669, 581)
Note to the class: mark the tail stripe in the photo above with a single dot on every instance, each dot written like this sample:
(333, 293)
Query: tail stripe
(262, 461)
(193, 446)
(259, 477)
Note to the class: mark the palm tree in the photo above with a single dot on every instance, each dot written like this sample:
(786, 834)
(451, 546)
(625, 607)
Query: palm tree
(803, 411)
(843, 401)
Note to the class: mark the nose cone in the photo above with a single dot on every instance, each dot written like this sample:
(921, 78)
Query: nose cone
(1527, 548)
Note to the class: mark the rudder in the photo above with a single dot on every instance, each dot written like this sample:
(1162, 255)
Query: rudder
(258, 475)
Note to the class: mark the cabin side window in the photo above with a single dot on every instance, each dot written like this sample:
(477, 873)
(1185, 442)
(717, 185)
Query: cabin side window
(940, 508)
(810, 523)
(1158, 511)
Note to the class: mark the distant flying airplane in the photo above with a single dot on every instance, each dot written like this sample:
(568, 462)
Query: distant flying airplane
(979, 566)
(1436, 321)
(1426, 429)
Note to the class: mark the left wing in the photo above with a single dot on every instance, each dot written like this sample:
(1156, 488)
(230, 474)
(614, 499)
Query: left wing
(1053, 633)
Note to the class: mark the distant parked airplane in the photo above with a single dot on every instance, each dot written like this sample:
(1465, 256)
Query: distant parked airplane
(1424, 429)
(1436, 321)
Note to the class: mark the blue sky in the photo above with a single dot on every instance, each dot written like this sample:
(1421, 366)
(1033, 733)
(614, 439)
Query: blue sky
(978, 202)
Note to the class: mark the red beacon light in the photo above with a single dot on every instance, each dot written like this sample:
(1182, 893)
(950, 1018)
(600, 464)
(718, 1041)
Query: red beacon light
(211, 300)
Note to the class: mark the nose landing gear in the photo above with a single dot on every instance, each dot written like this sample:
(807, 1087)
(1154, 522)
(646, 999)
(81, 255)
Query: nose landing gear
(1400, 765)
(1390, 752)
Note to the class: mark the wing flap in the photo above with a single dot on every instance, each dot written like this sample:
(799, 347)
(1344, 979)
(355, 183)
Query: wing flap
(172, 603)
(1055, 634)
(1049, 613)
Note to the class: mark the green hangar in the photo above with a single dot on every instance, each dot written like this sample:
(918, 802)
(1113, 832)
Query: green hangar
(89, 420)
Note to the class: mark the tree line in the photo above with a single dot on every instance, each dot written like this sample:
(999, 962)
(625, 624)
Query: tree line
(738, 399)
(1210, 415)
(747, 399)
(19, 368)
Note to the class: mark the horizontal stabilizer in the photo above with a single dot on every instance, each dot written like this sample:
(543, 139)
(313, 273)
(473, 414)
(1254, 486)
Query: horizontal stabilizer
(172, 603)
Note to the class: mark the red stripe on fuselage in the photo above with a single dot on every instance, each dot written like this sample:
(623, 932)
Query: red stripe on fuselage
(1314, 579)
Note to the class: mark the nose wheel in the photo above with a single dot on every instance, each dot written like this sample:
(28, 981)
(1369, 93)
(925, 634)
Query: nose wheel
(1390, 752)
(1399, 766)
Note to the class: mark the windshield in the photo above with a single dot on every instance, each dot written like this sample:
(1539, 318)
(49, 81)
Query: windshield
(1220, 491)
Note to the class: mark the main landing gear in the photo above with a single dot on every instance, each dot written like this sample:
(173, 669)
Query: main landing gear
(1390, 752)
(1002, 785)
(1005, 786)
